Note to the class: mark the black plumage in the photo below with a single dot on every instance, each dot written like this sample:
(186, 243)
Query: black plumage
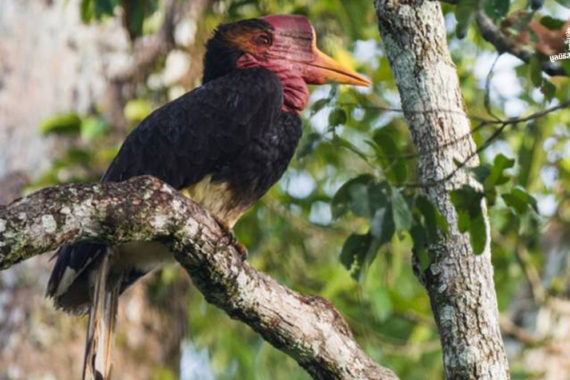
(223, 144)
(232, 129)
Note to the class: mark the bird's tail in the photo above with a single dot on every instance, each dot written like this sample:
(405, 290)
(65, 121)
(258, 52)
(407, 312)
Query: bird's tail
(101, 328)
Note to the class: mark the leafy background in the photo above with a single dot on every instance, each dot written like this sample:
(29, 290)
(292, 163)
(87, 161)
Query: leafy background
(344, 219)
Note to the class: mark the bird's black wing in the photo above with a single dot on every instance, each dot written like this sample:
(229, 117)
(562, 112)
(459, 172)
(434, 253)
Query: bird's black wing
(190, 137)
(179, 143)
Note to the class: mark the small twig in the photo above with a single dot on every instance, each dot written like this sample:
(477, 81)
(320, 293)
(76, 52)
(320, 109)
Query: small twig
(497, 133)
(519, 333)
(487, 99)
(492, 34)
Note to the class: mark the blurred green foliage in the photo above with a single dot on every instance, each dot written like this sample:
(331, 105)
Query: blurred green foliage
(342, 223)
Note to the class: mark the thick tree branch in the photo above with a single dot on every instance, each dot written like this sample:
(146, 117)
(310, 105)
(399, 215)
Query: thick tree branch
(459, 283)
(308, 328)
(493, 34)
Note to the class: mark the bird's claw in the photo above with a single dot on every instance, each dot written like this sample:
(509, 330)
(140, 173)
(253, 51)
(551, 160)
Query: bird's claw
(242, 250)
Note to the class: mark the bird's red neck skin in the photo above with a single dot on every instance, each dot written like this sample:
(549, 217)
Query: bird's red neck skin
(295, 90)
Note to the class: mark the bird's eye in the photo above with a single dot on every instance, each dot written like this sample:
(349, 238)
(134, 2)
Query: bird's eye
(263, 40)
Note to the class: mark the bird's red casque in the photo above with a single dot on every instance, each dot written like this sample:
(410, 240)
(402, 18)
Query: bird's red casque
(291, 52)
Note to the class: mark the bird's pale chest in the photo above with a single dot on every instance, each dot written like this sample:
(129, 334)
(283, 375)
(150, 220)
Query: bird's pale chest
(218, 198)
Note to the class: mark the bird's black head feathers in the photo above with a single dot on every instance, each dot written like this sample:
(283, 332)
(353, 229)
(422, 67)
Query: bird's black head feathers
(221, 54)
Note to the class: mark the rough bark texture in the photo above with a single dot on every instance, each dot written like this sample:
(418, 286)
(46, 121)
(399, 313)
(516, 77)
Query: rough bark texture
(307, 328)
(460, 284)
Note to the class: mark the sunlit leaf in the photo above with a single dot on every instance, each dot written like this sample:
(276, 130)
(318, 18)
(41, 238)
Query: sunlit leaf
(137, 109)
(66, 123)
(87, 10)
(92, 127)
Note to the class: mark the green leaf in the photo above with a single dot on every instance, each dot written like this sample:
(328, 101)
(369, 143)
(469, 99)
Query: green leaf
(497, 175)
(390, 157)
(137, 109)
(467, 198)
(382, 225)
(337, 117)
(520, 200)
(87, 10)
(356, 254)
(402, 214)
(478, 234)
(92, 127)
(433, 219)
(535, 71)
(548, 89)
(319, 104)
(564, 3)
(467, 202)
(482, 172)
(104, 8)
(419, 237)
(377, 197)
(552, 23)
(566, 66)
(381, 303)
(497, 9)
(64, 124)
(464, 13)
(135, 13)
(353, 195)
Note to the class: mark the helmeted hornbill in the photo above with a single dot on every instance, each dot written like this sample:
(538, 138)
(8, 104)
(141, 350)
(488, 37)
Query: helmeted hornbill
(224, 144)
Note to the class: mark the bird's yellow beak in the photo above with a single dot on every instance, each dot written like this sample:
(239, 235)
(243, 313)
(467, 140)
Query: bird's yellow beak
(323, 69)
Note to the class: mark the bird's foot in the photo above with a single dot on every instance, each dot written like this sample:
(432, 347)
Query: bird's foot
(242, 250)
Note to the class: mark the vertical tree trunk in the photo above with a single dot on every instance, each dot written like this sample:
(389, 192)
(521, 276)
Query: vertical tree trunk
(460, 284)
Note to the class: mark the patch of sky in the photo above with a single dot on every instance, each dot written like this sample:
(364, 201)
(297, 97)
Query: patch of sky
(298, 183)
(320, 213)
(194, 363)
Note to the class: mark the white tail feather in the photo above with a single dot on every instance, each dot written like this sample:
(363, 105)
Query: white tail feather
(101, 327)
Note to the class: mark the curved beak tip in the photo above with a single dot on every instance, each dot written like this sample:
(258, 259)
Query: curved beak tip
(330, 70)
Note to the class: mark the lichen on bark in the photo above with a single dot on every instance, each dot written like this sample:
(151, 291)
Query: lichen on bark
(307, 328)
(460, 284)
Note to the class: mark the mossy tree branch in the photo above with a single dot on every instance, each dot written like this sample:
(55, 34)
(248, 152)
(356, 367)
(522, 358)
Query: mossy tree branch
(307, 328)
